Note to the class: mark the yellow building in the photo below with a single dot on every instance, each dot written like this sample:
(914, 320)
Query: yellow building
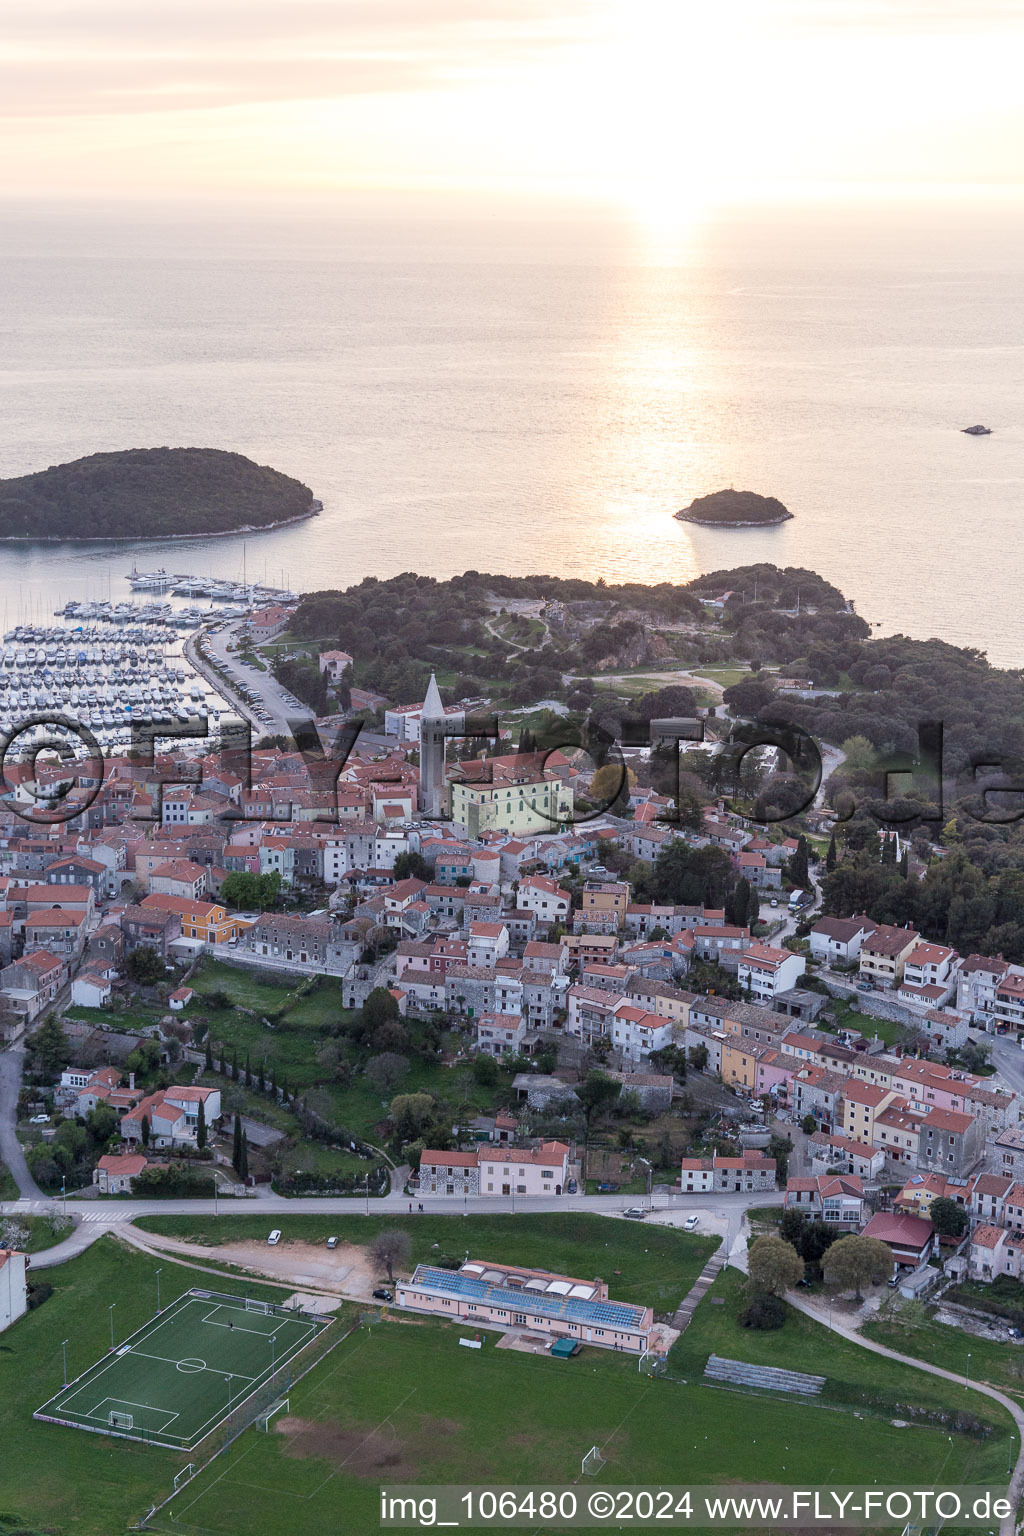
(883, 954)
(605, 900)
(860, 1106)
(205, 920)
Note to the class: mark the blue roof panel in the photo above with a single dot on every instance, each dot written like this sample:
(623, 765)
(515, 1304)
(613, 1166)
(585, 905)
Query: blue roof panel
(606, 1314)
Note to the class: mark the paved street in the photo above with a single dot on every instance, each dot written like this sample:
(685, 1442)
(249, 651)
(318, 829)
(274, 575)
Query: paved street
(271, 693)
(11, 1062)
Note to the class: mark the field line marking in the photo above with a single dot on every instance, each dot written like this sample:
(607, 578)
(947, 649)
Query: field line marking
(385, 1420)
(625, 1416)
(170, 1360)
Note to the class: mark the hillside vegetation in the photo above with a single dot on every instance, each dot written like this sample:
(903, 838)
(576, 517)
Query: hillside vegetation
(149, 493)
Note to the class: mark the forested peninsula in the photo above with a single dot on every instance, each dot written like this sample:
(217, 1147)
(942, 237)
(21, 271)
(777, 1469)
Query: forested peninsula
(151, 493)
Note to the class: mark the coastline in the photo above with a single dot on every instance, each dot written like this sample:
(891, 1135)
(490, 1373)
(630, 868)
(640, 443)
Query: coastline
(164, 538)
(712, 522)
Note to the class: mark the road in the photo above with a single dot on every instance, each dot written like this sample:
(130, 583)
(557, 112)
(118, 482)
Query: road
(98, 1219)
(11, 1063)
(1008, 1059)
(272, 694)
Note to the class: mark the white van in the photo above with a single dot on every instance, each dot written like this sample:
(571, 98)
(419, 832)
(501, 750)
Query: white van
(275, 1237)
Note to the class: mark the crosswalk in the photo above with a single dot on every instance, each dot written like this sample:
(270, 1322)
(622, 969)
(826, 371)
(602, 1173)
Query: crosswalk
(106, 1218)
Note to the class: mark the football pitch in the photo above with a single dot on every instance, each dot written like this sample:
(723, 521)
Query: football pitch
(171, 1382)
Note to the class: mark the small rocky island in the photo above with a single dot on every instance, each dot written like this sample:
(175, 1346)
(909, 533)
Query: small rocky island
(151, 493)
(735, 509)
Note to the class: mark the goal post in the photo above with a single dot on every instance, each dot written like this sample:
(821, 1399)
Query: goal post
(281, 1407)
(120, 1420)
(184, 1475)
(257, 1306)
(592, 1463)
(652, 1364)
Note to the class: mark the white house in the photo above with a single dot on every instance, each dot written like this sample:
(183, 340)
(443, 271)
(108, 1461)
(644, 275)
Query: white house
(767, 971)
(13, 1286)
(500, 1034)
(545, 897)
(837, 940)
(636, 1032)
(89, 990)
(486, 943)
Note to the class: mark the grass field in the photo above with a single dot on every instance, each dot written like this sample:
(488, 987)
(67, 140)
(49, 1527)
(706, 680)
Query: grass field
(103, 1484)
(291, 1044)
(404, 1404)
(180, 1374)
(641, 1263)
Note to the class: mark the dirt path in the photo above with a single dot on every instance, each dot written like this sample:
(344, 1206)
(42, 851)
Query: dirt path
(346, 1270)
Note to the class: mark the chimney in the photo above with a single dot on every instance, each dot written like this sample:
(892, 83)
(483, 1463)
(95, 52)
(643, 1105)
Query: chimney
(131, 1081)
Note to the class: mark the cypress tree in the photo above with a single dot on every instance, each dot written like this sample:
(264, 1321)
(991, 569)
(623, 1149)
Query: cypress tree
(223, 1068)
(248, 1071)
(236, 1146)
(273, 1082)
(243, 1172)
(234, 1064)
(831, 857)
(201, 1127)
(209, 1055)
(261, 1081)
(145, 1130)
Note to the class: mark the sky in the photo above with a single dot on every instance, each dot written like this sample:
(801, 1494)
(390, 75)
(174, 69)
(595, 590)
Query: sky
(660, 107)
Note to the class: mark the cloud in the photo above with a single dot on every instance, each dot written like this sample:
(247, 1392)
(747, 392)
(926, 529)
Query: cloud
(71, 57)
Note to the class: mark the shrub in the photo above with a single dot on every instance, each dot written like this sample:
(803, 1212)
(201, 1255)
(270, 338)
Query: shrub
(764, 1313)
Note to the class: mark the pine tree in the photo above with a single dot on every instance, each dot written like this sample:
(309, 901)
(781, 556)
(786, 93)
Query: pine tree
(831, 857)
(236, 1146)
(201, 1127)
(799, 870)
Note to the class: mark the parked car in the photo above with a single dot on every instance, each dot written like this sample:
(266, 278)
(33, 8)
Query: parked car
(40, 1120)
(383, 1295)
(634, 1212)
(275, 1237)
(332, 1242)
(691, 1223)
(606, 1189)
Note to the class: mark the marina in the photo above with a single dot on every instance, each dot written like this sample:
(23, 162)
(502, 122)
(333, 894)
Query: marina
(106, 675)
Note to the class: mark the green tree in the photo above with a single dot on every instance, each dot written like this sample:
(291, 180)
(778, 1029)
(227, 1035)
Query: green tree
(145, 966)
(47, 1049)
(236, 1145)
(485, 1071)
(596, 1092)
(379, 1009)
(854, 1261)
(774, 1266)
(799, 867)
(699, 1057)
(948, 1218)
(201, 1126)
(411, 866)
(410, 1113)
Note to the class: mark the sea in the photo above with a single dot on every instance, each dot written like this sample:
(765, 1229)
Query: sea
(541, 394)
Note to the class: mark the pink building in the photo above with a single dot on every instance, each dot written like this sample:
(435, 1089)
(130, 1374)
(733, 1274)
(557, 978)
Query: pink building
(531, 1300)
